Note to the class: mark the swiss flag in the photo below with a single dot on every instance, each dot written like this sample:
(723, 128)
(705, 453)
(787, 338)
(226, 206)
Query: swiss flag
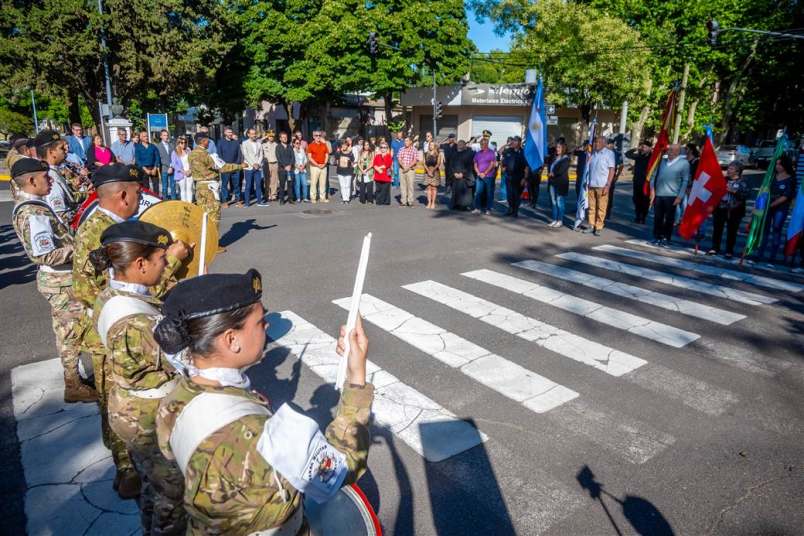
(708, 187)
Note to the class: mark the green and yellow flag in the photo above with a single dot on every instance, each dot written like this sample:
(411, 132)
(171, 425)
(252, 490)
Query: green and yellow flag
(760, 212)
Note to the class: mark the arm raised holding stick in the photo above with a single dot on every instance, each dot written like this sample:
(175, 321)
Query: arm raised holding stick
(354, 307)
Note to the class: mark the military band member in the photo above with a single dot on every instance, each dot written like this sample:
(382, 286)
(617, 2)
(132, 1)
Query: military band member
(125, 314)
(65, 197)
(49, 245)
(207, 176)
(118, 188)
(246, 468)
(18, 150)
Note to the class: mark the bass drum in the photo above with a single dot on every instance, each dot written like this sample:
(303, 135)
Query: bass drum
(147, 200)
(347, 514)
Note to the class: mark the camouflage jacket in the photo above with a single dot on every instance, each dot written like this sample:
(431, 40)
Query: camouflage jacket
(202, 166)
(88, 284)
(52, 243)
(229, 487)
(64, 197)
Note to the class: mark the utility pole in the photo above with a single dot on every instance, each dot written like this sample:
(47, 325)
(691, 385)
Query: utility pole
(680, 106)
(435, 104)
(33, 105)
(106, 71)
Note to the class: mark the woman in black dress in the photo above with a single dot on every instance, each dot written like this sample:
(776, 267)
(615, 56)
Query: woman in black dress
(558, 183)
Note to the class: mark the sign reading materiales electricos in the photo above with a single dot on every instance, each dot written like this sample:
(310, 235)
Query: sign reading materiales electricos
(495, 95)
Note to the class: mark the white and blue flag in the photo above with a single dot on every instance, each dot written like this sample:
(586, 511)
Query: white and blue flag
(536, 135)
(583, 200)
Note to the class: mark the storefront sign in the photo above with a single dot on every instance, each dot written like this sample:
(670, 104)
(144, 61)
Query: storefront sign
(495, 95)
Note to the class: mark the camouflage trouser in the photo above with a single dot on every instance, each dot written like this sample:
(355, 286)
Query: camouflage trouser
(162, 495)
(205, 198)
(93, 345)
(67, 316)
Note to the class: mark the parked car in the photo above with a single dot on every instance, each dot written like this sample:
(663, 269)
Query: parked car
(761, 154)
(726, 154)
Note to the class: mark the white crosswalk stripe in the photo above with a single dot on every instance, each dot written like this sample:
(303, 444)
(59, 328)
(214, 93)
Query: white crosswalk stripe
(731, 275)
(397, 406)
(644, 327)
(533, 391)
(690, 391)
(623, 290)
(686, 283)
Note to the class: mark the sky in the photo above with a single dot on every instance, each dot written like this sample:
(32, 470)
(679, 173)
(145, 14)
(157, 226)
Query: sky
(484, 37)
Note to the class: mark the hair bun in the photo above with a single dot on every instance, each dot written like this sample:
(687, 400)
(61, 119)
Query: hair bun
(171, 335)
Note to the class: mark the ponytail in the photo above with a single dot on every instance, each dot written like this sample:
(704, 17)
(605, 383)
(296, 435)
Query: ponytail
(119, 255)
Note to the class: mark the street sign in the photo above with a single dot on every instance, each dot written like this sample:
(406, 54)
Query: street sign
(550, 109)
(157, 121)
(552, 119)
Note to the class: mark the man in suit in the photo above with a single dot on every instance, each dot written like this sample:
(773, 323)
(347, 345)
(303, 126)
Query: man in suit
(78, 144)
(165, 148)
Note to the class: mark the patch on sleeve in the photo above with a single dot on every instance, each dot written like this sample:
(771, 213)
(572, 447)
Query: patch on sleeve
(56, 201)
(42, 239)
(325, 470)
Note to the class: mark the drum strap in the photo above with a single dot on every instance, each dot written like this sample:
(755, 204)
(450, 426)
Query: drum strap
(118, 308)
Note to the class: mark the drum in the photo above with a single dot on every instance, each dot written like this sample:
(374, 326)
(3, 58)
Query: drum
(347, 514)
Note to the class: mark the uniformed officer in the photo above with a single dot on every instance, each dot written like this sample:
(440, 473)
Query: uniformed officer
(49, 245)
(245, 469)
(118, 188)
(65, 197)
(18, 150)
(207, 176)
(125, 314)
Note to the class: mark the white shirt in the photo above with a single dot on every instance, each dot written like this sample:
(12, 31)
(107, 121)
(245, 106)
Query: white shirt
(252, 152)
(300, 157)
(60, 198)
(599, 166)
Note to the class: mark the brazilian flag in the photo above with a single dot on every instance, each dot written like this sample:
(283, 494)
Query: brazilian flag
(760, 213)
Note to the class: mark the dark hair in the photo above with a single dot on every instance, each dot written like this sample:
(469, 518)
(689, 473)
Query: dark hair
(692, 148)
(42, 150)
(118, 255)
(174, 334)
(787, 163)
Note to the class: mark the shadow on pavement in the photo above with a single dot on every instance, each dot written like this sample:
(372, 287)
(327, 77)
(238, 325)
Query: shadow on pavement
(16, 268)
(240, 229)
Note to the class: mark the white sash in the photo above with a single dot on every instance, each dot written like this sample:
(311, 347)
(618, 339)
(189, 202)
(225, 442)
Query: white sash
(118, 308)
(204, 415)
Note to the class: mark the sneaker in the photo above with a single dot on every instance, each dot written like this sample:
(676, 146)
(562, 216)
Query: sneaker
(711, 252)
(588, 230)
(486, 212)
(263, 204)
(657, 242)
(476, 211)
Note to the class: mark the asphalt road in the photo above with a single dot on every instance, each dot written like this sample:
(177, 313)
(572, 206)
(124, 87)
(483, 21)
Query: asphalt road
(694, 437)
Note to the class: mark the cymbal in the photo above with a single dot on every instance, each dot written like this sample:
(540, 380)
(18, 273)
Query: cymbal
(183, 221)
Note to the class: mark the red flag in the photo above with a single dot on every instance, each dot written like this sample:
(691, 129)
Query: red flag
(663, 140)
(708, 187)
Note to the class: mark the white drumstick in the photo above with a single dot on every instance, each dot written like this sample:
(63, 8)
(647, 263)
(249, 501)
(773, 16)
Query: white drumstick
(202, 260)
(354, 308)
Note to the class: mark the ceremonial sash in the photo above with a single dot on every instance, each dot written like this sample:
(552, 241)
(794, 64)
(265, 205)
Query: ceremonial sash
(118, 308)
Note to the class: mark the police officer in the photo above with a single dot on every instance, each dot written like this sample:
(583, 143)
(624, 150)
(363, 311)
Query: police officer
(246, 468)
(207, 176)
(118, 187)
(125, 315)
(49, 245)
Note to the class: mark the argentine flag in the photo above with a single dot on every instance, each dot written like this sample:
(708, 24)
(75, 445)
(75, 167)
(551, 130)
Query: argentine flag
(536, 135)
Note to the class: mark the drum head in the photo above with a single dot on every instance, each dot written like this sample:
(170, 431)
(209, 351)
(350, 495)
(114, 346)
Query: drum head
(347, 514)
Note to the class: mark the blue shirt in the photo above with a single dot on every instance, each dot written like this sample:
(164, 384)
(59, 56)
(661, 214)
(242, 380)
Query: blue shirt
(396, 145)
(212, 149)
(146, 156)
(229, 151)
(123, 151)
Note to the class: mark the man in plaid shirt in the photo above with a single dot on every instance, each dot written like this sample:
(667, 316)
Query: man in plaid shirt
(407, 158)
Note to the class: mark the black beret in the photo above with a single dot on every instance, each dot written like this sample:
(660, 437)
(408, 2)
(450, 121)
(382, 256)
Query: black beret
(28, 165)
(115, 173)
(211, 294)
(140, 232)
(45, 137)
(20, 143)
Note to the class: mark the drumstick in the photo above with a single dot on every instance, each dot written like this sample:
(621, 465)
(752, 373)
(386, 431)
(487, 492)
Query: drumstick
(354, 309)
(202, 260)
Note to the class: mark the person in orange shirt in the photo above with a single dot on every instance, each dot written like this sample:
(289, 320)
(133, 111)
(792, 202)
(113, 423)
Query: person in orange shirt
(318, 152)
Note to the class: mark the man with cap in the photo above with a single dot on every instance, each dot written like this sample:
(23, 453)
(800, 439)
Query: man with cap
(207, 177)
(48, 243)
(18, 150)
(118, 188)
(270, 166)
(65, 196)
(515, 170)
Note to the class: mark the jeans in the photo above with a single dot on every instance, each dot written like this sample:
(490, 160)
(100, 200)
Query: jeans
(301, 188)
(253, 180)
(773, 231)
(396, 172)
(234, 177)
(558, 204)
(484, 184)
(168, 184)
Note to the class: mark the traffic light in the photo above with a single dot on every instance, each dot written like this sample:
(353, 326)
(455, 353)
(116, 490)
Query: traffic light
(372, 43)
(439, 109)
(714, 29)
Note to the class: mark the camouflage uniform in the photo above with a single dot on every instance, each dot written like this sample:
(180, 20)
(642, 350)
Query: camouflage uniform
(137, 363)
(64, 197)
(229, 487)
(86, 286)
(204, 173)
(53, 254)
(12, 156)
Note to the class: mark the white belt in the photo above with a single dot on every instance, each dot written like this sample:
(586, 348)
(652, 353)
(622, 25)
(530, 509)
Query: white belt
(158, 392)
(288, 528)
(49, 269)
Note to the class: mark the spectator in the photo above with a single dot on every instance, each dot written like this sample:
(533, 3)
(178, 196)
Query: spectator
(270, 166)
(230, 152)
(77, 144)
(365, 173)
(515, 171)
(433, 164)
(318, 154)
(146, 158)
(601, 173)
(297, 136)
(356, 148)
(428, 139)
(98, 154)
(462, 177)
(558, 183)
(165, 149)
(407, 157)
(180, 161)
(641, 158)
(285, 161)
(397, 143)
(345, 169)
(123, 148)
(383, 163)
(485, 172)
(211, 148)
(616, 147)
(252, 151)
(300, 169)
(730, 210)
(782, 193)
(449, 149)
(669, 186)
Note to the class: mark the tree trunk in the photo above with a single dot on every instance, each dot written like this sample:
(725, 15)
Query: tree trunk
(388, 99)
(291, 119)
(638, 126)
(75, 109)
(729, 95)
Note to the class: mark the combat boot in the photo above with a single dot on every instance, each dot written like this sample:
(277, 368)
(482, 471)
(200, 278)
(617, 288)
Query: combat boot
(77, 391)
(127, 484)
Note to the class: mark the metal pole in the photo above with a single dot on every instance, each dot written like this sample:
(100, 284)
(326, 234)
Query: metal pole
(35, 119)
(102, 127)
(435, 100)
(105, 63)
